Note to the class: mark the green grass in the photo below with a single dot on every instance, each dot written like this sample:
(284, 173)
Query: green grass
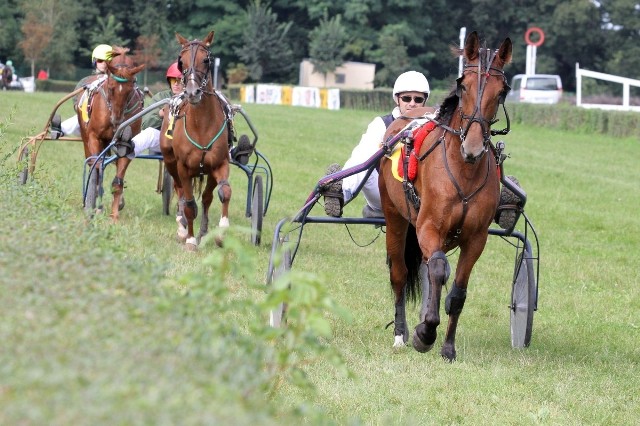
(96, 328)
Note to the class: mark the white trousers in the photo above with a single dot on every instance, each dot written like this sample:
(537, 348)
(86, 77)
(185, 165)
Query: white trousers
(149, 138)
(71, 126)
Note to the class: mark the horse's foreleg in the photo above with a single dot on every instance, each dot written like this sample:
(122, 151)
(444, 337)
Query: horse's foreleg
(454, 302)
(433, 275)
(117, 188)
(190, 210)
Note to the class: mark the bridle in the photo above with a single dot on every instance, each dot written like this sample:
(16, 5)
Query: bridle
(192, 74)
(131, 104)
(483, 70)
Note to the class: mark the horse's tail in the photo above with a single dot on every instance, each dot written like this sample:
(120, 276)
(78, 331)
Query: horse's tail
(412, 260)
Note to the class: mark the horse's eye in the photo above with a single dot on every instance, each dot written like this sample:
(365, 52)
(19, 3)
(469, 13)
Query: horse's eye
(207, 60)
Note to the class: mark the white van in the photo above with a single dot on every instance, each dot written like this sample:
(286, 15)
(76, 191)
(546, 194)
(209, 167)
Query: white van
(536, 88)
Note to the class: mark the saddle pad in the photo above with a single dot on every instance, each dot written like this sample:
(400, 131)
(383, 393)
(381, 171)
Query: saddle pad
(419, 136)
(84, 106)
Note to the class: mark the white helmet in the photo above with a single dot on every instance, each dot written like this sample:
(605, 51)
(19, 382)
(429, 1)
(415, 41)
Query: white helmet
(411, 81)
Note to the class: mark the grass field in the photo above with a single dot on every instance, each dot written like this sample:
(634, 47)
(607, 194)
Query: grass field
(117, 324)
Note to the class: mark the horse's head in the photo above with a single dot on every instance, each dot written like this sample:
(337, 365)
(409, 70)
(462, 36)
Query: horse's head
(194, 62)
(120, 85)
(481, 90)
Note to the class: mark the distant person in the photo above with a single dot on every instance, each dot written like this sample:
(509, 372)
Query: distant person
(99, 57)
(149, 137)
(42, 75)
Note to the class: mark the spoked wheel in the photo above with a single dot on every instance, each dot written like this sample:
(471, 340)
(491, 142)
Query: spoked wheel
(257, 210)
(523, 300)
(91, 196)
(167, 191)
(23, 175)
(277, 315)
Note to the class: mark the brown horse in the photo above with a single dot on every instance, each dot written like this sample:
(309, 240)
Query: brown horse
(109, 102)
(452, 201)
(194, 140)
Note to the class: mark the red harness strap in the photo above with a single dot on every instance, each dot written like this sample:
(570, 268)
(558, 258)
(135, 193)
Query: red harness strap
(419, 135)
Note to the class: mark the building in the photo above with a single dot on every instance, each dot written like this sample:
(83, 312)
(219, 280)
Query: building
(350, 75)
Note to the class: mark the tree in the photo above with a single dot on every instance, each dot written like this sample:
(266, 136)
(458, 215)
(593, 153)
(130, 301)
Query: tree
(327, 45)
(37, 35)
(48, 32)
(147, 52)
(107, 31)
(266, 50)
(394, 58)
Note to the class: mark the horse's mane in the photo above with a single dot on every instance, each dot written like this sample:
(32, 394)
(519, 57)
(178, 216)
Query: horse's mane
(447, 107)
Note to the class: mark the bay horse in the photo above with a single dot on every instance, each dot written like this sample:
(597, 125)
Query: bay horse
(194, 140)
(109, 101)
(453, 199)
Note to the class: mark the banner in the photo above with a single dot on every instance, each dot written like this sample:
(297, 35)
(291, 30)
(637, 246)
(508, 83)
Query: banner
(268, 94)
(306, 96)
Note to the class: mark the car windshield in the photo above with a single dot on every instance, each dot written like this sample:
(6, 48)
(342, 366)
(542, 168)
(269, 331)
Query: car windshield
(542, 84)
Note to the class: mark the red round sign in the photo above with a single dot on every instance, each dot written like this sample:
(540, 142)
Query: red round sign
(527, 36)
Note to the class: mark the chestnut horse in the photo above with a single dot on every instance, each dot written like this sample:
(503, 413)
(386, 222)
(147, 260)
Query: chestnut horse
(111, 100)
(452, 200)
(194, 140)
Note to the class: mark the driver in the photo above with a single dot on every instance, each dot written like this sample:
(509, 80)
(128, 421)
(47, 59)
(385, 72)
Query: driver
(99, 57)
(411, 90)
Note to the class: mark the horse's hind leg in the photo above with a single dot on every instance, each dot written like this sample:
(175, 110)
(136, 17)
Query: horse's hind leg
(207, 199)
(398, 273)
(224, 193)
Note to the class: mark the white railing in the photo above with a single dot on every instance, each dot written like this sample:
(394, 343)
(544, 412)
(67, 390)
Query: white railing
(626, 84)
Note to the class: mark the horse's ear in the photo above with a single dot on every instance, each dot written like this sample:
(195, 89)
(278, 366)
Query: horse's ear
(181, 39)
(136, 70)
(505, 51)
(472, 46)
(209, 39)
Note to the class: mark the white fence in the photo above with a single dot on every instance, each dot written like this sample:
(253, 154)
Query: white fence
(626, 84)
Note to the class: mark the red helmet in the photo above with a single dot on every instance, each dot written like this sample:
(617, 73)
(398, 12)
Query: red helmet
(173, 72)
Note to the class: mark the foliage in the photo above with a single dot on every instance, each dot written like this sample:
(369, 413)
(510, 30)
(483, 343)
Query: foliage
(237, 74)
(108, 327)
(266, 50)
(327, 45)
(601, 36)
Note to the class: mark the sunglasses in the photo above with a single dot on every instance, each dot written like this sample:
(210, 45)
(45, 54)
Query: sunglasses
(416, 99)
(173, 80)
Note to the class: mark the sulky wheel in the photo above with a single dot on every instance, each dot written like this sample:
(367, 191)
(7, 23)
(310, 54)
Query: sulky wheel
(91, 194)
(523, 300)
(167, 191)
(257, 210)
(23, 175)
(277, 315)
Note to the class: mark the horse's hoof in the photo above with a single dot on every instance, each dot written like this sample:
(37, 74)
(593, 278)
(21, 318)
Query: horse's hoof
(121, 204)
(448, 353)
(191, 244)
(191, 247)
(419, 346)
(219, 241)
